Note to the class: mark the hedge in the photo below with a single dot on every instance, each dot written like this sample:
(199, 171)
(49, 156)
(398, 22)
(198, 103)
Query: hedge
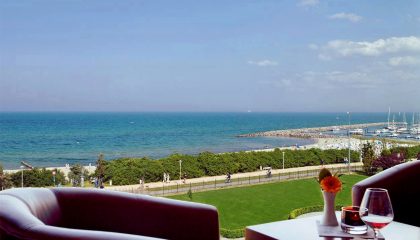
(232, 233)
(318, 208)
(130, 170)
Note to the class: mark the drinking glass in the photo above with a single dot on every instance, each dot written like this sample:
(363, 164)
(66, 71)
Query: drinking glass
(376, 209)
(351, 222)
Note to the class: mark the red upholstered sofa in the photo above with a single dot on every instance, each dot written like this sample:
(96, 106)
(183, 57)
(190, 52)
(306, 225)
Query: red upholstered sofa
(403, 185)
(73, 213)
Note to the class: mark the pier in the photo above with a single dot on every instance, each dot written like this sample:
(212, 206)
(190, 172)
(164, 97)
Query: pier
(316, 132)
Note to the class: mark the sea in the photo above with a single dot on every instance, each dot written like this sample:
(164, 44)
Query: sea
(47, 139)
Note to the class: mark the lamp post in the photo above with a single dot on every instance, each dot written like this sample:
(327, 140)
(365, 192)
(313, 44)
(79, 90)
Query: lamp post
(82, 179)
(283, 160)
(53, 173)
(180, 169)
(22, 167)
(348, 133)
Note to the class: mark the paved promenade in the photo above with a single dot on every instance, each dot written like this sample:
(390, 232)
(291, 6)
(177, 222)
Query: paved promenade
(215, 182)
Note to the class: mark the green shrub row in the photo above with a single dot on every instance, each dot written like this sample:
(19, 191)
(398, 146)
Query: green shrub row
(232, 233)
(409, 152)
(36, 178)
(125, 171)
(318, 208)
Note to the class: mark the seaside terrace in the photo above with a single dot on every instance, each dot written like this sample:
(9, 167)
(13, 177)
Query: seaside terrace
(209, 120)
(83, 213)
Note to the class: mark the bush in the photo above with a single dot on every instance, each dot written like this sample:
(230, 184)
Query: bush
(5, 180)
(37, 178)
(126, 171)
(232, 233)
(388, 161)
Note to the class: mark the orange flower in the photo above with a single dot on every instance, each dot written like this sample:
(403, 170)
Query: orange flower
(331, 184)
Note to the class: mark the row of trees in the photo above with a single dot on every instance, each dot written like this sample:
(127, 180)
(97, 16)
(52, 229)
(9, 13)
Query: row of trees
(130, 170)
(388, 157)
(30, 178)
(125, 171)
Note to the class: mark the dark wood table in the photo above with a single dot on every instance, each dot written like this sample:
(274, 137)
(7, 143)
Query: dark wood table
(306, 229)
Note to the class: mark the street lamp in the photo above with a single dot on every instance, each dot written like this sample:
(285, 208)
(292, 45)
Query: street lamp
(180, 169)
(283, 160)
(82, 179)
(348, 133)
(22, 167)
(53, 173)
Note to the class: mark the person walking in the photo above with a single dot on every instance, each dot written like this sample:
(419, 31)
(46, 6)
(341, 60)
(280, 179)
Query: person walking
(269, 173)
(184, 179)
(228, 177)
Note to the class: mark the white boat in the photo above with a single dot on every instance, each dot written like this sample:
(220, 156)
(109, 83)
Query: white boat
(358, 131)
(402, 130)
(415, 130)
(417, 137)
(393, 135)
(377, 131)
(335, 129)
(385, 130)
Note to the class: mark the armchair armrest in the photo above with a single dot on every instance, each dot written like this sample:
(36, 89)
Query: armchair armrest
(45, 232)
(401, 181)
(104, 210)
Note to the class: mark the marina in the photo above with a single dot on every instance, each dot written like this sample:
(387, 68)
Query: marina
(317, 132)
(390, 129)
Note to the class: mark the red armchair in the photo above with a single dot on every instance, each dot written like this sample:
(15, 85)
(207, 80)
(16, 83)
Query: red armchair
(402, 182)
(73, 213)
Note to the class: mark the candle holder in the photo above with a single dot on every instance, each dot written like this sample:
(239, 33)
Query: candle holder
(351, 221)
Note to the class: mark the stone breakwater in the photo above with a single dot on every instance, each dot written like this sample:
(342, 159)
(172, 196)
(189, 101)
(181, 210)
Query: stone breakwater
(316, 132)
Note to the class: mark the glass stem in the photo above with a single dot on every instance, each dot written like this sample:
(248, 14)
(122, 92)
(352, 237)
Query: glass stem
(376, 233)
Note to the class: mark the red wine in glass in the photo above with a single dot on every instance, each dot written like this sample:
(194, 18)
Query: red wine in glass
(377, 222)
(376, 209)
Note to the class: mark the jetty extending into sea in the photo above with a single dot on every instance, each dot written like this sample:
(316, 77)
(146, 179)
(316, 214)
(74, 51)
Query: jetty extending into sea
(315, 132)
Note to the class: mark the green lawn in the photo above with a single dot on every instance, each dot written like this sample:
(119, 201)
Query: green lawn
(244, 206)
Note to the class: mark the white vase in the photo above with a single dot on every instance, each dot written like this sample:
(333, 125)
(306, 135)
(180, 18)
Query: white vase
(328, 217)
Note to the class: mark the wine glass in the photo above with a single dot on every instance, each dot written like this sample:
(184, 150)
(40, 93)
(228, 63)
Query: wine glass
(376, 209)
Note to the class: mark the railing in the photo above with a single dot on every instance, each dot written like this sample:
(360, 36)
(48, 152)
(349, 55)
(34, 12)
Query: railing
(179, 188)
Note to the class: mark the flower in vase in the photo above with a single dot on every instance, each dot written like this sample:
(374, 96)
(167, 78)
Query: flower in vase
(331, 184)
(328, 182)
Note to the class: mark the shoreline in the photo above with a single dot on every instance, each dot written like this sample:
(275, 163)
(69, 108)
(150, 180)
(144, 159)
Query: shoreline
(65, 169)
(322, 141)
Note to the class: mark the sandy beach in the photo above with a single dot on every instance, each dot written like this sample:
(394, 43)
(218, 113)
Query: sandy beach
(65, 169)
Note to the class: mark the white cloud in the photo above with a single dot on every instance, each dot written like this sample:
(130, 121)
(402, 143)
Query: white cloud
(308, 3)
(346, 16)
(404, 61)
(381, 46)
(263, 63)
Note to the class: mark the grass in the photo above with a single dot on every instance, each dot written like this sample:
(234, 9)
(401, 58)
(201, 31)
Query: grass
(244, 206)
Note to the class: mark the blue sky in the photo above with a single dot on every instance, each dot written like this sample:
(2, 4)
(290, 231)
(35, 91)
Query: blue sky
(156, 55)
